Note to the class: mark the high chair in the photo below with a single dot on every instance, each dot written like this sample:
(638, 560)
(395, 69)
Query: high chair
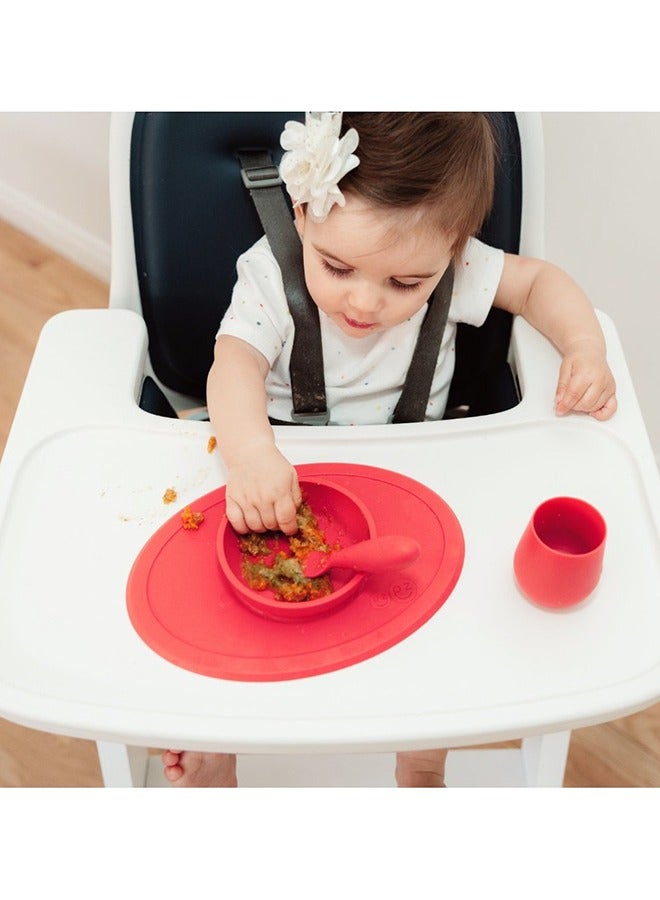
(110, 417)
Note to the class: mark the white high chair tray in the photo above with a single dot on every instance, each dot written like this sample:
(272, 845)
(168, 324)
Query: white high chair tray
(489, 665)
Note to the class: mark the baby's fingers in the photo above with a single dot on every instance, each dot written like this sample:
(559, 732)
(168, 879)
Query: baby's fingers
(607, 410)
(561, 400)
(584, 389)
(281, 517)
(270, 511)
(286, 508)
(570, 395)
(285, 514)
(242, 520)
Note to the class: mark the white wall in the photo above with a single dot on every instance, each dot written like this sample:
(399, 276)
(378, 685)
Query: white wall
(602, 207)
(54, 182)
(602, 202)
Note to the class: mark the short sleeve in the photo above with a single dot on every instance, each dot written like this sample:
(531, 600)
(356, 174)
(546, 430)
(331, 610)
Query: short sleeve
(258, 312)
(476, 279)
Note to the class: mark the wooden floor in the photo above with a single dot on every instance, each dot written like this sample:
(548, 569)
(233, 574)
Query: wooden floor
(34, 285)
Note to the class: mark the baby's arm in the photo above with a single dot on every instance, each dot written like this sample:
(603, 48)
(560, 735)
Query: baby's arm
(262, 486)
(554, 304)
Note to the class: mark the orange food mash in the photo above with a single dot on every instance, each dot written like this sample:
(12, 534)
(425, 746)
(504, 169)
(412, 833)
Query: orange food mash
(272, 561)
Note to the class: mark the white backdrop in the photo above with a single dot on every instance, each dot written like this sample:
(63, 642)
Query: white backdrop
(602, 202)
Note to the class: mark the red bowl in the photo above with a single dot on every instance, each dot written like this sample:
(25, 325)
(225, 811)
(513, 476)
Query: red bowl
(343, 518)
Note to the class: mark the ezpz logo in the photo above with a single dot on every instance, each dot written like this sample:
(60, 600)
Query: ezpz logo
(402, 591)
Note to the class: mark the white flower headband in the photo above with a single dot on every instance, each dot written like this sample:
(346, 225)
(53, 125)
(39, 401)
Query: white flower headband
(316, 159)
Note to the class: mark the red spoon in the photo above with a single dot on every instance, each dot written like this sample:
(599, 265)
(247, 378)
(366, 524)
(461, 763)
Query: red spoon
(389, 552)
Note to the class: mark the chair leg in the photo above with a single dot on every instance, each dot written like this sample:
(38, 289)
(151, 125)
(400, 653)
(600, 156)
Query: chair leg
(122, 765)
(544, 759)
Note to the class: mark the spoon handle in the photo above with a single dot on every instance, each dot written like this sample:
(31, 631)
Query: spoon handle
(388, 552)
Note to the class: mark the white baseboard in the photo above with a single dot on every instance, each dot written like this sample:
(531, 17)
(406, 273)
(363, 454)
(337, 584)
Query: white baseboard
(60, 234)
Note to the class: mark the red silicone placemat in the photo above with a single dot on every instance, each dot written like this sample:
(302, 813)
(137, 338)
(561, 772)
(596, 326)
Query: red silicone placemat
(180, 605)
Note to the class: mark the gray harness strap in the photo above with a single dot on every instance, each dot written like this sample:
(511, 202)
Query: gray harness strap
(262, 180)
(419, 377)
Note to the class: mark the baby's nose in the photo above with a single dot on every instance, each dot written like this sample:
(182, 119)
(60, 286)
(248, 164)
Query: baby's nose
(366, 300)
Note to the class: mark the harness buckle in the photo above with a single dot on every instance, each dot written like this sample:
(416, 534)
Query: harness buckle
(261, 177)
(310, 418)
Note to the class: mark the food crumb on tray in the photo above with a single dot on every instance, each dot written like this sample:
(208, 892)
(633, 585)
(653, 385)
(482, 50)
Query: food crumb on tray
(191, 520)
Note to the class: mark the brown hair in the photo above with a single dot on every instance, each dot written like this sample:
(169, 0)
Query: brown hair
(444, 162)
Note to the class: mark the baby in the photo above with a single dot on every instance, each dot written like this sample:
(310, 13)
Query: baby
(378, 231)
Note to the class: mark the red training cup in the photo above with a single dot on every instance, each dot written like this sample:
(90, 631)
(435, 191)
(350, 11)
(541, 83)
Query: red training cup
(559, 559)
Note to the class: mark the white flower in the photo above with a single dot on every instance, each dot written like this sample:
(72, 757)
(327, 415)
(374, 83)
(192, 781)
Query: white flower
(316, 159)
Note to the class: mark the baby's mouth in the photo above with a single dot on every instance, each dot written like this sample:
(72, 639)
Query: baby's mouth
(355, 324)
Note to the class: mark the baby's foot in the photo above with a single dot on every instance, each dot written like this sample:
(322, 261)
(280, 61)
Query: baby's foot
(187, 768)
(421, 768)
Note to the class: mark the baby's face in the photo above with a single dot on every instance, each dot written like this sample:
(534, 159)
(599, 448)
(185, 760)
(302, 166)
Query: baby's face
(369, 271)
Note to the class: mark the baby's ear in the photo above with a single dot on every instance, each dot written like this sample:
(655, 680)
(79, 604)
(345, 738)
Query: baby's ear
(299, 213)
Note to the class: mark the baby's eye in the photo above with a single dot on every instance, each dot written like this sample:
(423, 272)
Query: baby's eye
(402, 286)
(335, 270)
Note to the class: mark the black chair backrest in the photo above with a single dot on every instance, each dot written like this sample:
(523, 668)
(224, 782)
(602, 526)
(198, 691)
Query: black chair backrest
(192, 218)
(482, 378)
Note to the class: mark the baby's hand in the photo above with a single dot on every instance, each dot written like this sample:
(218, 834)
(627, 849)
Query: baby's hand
(262, 492)
(586, 383)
